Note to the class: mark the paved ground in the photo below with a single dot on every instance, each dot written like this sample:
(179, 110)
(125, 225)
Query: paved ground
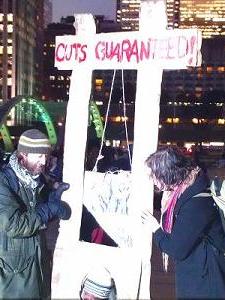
(162, 283)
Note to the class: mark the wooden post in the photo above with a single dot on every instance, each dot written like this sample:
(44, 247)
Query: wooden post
(150, 50)
(146, 124)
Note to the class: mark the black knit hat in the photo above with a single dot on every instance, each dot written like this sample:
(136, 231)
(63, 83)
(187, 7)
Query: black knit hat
(33, 141)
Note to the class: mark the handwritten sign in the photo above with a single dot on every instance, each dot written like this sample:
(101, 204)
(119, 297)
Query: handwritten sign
(127, 50)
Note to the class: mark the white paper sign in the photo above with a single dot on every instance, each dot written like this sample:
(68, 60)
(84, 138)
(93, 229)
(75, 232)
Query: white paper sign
(128, 50)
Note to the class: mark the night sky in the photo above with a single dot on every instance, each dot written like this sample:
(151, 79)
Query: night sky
(64, 8)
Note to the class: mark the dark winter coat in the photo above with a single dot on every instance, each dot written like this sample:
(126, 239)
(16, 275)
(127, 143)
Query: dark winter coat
(197, 245)
(20, 261)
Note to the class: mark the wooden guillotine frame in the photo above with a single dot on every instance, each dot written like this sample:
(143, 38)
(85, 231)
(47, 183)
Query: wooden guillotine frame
(149, 50)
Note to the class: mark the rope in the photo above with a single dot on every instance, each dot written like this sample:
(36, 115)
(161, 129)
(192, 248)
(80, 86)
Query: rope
(99, 157)
(106, 121)
(125, 119)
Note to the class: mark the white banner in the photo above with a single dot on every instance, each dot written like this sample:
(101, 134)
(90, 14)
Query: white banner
(171, 49)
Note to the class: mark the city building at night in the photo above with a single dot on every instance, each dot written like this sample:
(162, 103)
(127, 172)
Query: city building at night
(128, 14)
(187, 93)
(208, 16)
(173, 12)
(47, 12)
(27, 50)
(57, 82)
(194, 83)
(21, 42)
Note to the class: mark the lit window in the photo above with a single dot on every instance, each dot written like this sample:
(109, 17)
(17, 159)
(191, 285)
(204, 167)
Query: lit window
(10, 17)
(9, 28)
(198, 89)
(116, 143)
(176, 120)
(123, 119)
(169, 120)
(98, 81)
(9, 49)
(99, 102)
(202, 121)
(220, 121)
(107, 143)
(117, 119)
(221, 69)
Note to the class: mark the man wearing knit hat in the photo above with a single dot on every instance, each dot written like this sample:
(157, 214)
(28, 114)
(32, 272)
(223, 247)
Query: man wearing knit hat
(23, 215)
(98, 284)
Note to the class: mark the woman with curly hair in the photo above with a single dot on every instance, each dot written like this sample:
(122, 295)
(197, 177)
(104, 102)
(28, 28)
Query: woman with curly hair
(191, 230)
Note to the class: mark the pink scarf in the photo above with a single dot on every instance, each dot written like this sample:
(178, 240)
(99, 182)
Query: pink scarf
(169, 213)
(172, 199)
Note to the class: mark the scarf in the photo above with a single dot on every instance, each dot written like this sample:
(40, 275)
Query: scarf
(169, 201)
(22, 173)
(170, 198)
(167, 226)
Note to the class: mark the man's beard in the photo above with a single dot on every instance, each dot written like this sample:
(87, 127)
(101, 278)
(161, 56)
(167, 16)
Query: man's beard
(33, 169)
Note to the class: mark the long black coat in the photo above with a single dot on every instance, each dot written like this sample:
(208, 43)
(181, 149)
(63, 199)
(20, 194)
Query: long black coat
(197, 245)
(21, 273)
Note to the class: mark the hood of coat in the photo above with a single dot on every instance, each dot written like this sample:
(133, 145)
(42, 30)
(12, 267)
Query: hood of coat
(199, 186)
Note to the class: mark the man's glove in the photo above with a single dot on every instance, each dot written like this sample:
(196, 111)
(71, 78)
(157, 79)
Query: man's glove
(54, 207)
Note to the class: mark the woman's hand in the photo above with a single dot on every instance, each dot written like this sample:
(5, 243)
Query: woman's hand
(149, 221)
